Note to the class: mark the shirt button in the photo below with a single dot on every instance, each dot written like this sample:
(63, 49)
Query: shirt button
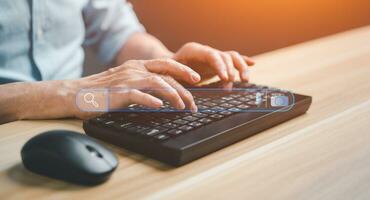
(40, 33)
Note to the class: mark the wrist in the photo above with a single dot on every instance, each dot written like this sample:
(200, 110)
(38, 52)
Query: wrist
(54, 99)
(68, 92)
(163, 53)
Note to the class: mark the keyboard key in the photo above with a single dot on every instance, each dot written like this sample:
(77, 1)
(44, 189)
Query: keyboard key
(205, 98)
(202, 107)
(137, 129)
(208, 111)
(178, 116)
(150, 132)
(227, 98)
(198, 101)
(235, 102)
(218, 108)
(186, 128)
(200, 115)
(163, 120)
(244, 99)
(216, 116)
(142, 127)
(175, 132)
(180, 121)
(164, 106)
(226, 112)
(218, 101)
(226, 105)
(123, 125)
(209, 104)
(161, 129)
(235, 95)
(170, 125)
(251, 96)
(243, 106)
(190, 118)
(109, 123)
(154, 131)
(99, 120)
(153, 123)
(252, 103)
(234, 109)
(161, 137)
(195, 124)
(205, 120)
(185, 114)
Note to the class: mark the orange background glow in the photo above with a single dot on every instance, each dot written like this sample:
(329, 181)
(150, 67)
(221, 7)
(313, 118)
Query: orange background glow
(250, 27)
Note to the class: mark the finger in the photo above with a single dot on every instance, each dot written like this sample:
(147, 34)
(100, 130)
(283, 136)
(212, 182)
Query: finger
(174, 69)
(141, 98)
(216, 61)
(212, 57)
(229, 64)
(185, 95)
(241, 65)
(124, 97)
(160, 87)
(249, 61)
(227, 86)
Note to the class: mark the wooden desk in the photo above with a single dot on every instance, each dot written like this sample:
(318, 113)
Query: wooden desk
(324, 154)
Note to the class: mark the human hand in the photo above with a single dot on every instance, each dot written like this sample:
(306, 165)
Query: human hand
(208, 62)
(134, 77)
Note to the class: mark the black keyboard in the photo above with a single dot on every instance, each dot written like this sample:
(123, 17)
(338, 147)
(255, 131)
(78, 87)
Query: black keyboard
(178, 137)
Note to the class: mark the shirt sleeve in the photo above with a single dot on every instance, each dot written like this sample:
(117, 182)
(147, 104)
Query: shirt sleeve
(109, 24)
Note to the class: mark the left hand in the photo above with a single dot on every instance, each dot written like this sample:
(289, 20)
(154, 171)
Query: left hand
(225, 64)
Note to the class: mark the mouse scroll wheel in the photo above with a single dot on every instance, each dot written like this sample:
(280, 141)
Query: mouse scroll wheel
(93, 151)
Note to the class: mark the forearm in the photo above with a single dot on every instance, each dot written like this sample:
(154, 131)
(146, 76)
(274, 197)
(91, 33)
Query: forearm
(142, 46)
(36, 100)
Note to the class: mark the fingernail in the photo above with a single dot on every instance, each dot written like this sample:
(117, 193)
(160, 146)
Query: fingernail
(224, 75)
(246, 75)
(194, 108)
(232, 77)
(181, 105)
(158, 102)
(195, 77)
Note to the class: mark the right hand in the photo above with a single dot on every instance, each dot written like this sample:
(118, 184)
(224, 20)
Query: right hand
(134, 76)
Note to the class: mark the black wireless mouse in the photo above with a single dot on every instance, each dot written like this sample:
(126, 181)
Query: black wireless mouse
(69, 156)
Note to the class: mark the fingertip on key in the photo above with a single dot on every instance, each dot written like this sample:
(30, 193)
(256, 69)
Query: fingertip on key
(224, 75)
(194, 108)
(181, 105)
(195, 77)
(157, 103)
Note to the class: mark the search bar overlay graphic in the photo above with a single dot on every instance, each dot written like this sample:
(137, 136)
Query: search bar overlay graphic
(93, 100)
(89, 98)
(207, 100)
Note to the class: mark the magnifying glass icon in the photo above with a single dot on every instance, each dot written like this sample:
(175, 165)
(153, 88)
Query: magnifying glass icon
(90, 98)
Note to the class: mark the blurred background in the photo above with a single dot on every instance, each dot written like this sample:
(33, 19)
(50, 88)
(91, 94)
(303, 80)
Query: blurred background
(250, 27)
